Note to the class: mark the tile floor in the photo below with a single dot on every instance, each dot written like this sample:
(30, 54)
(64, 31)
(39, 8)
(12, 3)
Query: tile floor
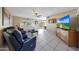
(48, 41)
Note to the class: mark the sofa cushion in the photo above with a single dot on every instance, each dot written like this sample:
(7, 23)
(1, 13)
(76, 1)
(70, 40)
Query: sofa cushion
(18, 36)
(9, 31)
(15, 43)
(6, 37)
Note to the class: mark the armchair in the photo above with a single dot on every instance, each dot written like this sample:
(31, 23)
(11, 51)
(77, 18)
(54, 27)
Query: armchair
(18, 43)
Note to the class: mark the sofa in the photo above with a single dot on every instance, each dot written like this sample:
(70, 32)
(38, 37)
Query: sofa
(16, 42)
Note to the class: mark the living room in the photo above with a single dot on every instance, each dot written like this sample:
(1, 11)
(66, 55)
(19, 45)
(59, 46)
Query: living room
(38, 25)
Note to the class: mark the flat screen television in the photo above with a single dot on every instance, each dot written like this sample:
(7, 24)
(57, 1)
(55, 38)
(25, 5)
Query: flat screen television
(64, 22)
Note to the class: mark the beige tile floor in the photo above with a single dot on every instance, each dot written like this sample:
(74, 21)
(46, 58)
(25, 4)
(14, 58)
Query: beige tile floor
(48, 41)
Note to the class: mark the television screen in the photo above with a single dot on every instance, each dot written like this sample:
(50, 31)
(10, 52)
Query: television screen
(63, 22)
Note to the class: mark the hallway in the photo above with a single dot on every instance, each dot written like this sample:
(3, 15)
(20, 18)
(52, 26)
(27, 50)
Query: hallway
(48, 41)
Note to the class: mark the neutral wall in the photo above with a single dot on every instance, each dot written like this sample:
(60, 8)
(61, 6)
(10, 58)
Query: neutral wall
(72, 13)
(16, 21)
(19, 21)
(77, 11)
(51, 26)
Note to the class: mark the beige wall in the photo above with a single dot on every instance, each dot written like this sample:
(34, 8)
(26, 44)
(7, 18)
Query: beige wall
(20, 22)
(16, 20)
(72, 13)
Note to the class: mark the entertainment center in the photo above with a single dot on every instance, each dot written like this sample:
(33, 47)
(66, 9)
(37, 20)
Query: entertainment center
(65, 30)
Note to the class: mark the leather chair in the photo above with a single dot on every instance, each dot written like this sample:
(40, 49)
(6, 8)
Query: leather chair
(16, 42)
(23, 32)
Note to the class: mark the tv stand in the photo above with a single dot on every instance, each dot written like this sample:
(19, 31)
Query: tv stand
(68, 36)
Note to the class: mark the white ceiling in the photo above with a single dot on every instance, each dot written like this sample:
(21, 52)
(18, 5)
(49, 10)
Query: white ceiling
(44, 11)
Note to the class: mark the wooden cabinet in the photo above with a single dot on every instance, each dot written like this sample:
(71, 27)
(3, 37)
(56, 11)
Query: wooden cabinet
(62, 34)
(72, 38)
(69, 37)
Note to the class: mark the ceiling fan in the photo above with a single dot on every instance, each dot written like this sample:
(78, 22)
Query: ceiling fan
(36, 14)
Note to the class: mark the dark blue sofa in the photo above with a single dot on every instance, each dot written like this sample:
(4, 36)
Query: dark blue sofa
(16, 41)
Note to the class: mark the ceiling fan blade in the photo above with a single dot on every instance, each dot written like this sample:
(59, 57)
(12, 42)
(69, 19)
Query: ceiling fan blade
(39, 15)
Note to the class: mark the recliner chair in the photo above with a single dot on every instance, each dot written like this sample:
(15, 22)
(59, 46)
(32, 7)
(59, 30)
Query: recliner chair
(17, 42)
(23, 32)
